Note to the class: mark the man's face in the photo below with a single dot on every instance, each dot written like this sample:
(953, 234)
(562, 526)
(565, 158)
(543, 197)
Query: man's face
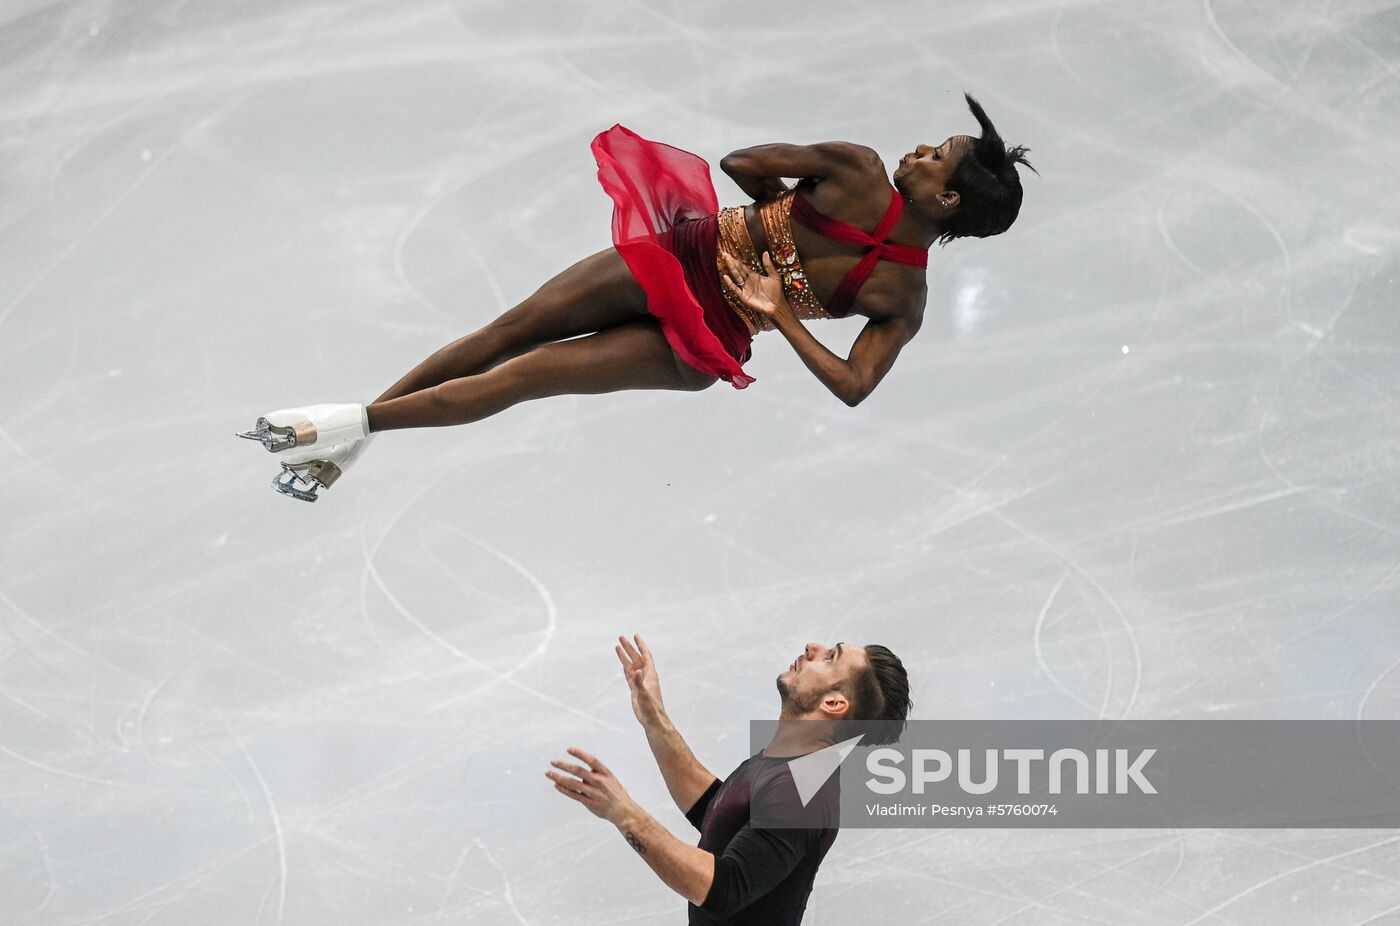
(812, 681)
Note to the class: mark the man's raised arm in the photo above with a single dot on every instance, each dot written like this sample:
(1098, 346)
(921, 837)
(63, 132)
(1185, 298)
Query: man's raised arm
(686, 779)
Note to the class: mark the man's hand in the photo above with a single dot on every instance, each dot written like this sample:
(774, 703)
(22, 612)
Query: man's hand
(640, 671)
(592, 785)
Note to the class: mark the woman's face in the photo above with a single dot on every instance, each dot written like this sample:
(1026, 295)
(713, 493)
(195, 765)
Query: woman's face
(922, 174)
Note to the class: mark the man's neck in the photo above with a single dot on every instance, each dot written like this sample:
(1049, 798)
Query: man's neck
(798, 736)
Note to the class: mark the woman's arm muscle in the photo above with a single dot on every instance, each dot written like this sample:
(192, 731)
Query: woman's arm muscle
(753, 169)
(875, 350)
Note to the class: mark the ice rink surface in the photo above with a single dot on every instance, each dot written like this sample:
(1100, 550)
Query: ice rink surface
(1140, 462)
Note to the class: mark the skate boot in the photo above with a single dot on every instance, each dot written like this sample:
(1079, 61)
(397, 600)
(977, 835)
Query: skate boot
(306, 472)
(320, 426)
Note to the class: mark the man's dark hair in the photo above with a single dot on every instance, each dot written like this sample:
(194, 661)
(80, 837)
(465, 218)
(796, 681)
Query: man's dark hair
(987, 184)
(880, 697)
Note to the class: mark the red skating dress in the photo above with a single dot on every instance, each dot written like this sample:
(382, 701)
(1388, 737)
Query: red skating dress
(669, 229)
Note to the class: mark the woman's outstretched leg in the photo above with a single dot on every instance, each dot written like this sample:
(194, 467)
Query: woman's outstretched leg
(517, 357)
(594, 294)
(632, 355)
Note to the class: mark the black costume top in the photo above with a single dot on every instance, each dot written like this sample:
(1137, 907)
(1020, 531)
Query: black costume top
(762, 876)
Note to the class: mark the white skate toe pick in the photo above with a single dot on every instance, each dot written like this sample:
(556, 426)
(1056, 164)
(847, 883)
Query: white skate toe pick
(310, 426)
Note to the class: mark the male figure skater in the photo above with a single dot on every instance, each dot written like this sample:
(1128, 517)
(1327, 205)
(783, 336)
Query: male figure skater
(740, 874)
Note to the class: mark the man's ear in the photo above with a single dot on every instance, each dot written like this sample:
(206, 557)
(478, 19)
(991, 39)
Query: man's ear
(835, 705)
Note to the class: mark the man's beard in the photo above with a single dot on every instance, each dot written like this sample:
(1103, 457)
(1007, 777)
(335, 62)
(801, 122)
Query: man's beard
(796, 703)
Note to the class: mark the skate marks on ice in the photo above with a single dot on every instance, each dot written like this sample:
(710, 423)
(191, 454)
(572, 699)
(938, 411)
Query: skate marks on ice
(1139, 463)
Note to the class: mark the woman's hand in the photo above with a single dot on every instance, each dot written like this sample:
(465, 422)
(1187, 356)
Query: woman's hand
(770, 188)
(592, 785)
(760, 292)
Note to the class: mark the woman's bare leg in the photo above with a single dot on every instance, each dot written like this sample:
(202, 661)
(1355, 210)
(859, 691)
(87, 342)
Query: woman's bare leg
(594, 294)
(632, 355)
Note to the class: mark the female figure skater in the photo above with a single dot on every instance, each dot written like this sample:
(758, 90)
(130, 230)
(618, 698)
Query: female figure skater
(677, 300)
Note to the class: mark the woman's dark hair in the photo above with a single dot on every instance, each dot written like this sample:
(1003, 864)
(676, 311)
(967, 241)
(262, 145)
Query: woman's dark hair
(880, 697)
(987, 184)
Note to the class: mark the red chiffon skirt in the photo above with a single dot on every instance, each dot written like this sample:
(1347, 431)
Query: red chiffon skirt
(665, 226)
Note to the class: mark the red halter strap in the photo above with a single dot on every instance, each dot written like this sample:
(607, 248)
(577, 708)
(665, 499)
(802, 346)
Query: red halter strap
(845, 293)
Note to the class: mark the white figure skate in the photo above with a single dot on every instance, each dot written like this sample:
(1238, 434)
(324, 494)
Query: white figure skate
(317, 443)
(306, 472)
(321, 426)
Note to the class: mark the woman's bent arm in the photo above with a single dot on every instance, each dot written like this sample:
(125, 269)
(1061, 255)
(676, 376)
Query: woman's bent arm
(873, 354)
(759, 170)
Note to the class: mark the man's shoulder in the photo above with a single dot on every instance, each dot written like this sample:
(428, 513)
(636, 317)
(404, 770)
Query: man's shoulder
(786, 796)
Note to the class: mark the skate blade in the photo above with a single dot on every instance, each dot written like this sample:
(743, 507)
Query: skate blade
(293, 486)
(304, 480)
(278, 438)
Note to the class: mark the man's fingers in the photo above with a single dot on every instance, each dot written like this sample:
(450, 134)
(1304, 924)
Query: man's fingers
(589, 759)
(622, 658)
(570, 792)
(631, 650)
(573, 769)
(578, 771)
(573, 784)
(567, 793)
(642, 645)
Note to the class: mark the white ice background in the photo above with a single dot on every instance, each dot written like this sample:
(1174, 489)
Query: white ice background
(1141, 461)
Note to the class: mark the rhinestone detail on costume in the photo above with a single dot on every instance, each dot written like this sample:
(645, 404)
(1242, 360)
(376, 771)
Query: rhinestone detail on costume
(734, 239)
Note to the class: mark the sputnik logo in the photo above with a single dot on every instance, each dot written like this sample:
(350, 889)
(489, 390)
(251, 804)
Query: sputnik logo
(811, 771)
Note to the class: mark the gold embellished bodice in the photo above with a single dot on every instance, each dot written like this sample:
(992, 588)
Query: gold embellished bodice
(734, 239)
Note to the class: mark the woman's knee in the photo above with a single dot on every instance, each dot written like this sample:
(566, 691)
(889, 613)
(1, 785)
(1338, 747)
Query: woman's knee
(693, 380)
